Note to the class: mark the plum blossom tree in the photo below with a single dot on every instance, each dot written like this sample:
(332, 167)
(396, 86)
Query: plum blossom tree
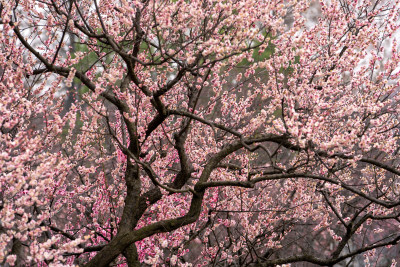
(204, 132)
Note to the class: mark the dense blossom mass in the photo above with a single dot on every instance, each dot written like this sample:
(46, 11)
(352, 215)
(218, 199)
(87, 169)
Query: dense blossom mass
(204, 132)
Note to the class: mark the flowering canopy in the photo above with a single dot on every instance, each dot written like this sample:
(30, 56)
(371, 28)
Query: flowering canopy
(198, 132)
